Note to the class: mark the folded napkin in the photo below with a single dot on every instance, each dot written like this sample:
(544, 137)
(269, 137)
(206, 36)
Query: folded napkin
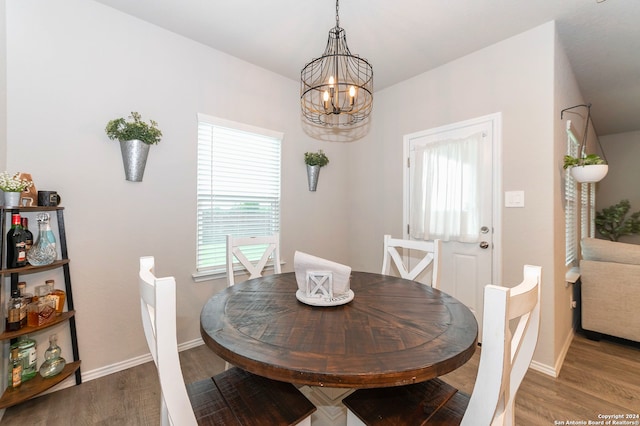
(340, 274)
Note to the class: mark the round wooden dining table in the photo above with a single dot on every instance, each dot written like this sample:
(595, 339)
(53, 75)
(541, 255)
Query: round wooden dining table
(394, 332)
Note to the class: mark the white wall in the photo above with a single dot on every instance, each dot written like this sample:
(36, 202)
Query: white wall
(3, 84)
(514, 77)
(566, 94)
(72, 66)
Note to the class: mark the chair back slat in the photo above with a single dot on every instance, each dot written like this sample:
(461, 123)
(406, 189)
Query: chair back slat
(429, 252)
(235, 246)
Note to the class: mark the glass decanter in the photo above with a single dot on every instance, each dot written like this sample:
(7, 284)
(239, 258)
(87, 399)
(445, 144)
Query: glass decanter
(43, 252)
(53, 363)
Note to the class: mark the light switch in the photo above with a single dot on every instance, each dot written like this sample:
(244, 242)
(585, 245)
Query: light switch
(514, 199)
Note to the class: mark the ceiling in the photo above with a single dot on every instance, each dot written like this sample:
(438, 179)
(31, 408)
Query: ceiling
(404, 38)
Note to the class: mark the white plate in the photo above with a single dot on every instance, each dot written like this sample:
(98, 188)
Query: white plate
(325, 301)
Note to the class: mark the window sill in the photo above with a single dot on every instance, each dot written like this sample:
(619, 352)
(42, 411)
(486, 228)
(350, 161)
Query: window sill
(573, 275)
(217, 273)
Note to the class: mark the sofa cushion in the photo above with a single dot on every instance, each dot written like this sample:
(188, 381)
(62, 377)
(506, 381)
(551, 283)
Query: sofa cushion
(610, 251)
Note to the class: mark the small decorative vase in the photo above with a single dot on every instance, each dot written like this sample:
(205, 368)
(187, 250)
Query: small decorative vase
(313, 172)
(134, 159)
(12, 199)
(53, 363)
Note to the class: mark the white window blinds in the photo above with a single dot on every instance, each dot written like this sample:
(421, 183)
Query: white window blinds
(238, 186)
(572, 203)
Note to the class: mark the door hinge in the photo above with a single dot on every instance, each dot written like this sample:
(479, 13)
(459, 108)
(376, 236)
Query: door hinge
(408, 161)
(407, 229)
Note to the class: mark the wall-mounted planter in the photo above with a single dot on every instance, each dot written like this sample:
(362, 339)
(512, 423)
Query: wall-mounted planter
(313, 172)
(134, 159)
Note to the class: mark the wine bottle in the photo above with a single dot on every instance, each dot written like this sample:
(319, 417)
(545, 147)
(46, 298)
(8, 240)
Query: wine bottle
(28, 235)
(16, 250)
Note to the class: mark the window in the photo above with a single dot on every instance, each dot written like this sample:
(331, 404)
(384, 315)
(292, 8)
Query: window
(571, 201)
(446, 189)
(579, 206)
(238, 189)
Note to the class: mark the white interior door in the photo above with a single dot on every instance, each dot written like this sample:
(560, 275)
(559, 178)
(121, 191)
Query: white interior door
(466, 266)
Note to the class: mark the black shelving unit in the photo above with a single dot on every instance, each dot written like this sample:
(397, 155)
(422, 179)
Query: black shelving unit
(38, 384)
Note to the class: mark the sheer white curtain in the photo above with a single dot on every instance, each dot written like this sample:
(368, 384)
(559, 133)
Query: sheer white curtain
(446, 190)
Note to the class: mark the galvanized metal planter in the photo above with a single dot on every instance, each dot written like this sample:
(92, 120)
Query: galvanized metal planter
(134, 159)
(312, 176)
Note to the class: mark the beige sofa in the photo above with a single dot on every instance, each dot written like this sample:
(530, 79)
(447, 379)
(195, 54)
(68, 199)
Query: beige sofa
(610, 276)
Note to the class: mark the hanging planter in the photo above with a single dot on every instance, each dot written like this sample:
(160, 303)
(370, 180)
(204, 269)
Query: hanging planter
(314, 161)
(589, 173)
(585, 168)
(135, 137)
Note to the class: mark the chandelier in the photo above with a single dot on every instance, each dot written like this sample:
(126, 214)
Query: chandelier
(337, 88)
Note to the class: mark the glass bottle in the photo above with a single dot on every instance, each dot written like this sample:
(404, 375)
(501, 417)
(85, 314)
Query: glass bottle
(26, 299)
(57, 295)
(14, 309)
(16, 251)
(27, 355)
(43, 252)
(53, 363)
(28, 235)
(22, 288)
(15, 369)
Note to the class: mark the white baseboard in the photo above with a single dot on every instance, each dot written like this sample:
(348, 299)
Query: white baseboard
(555, 370)
(123, 365)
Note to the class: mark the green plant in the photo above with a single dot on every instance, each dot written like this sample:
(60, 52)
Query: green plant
(123, 130)
(612, 222)
(316, 159)
(587, 160)
(13, 183)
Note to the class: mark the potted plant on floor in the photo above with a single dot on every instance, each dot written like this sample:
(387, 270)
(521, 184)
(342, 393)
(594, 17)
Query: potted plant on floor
(612, 222)
(314, 161)
(135, 137)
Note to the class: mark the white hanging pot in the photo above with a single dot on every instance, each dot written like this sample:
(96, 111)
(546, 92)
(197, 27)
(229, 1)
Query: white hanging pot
(590, 173)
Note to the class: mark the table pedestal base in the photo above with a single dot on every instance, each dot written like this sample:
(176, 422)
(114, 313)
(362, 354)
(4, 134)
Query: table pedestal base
(328, 401)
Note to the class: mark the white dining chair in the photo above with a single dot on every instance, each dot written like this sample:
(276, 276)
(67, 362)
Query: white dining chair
(428, 253)
(233, 397)
(504, 359)
(239, 247)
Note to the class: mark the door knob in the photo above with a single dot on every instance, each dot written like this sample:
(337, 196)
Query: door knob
(484, 245)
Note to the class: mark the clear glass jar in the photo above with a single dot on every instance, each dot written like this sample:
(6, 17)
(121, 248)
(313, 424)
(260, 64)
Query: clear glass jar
(43, 252)
(53, 363)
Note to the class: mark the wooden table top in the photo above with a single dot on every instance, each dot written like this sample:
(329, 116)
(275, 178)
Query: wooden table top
(394, 332)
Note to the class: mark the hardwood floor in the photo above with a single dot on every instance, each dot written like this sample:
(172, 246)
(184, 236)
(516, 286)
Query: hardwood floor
(597, 378)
